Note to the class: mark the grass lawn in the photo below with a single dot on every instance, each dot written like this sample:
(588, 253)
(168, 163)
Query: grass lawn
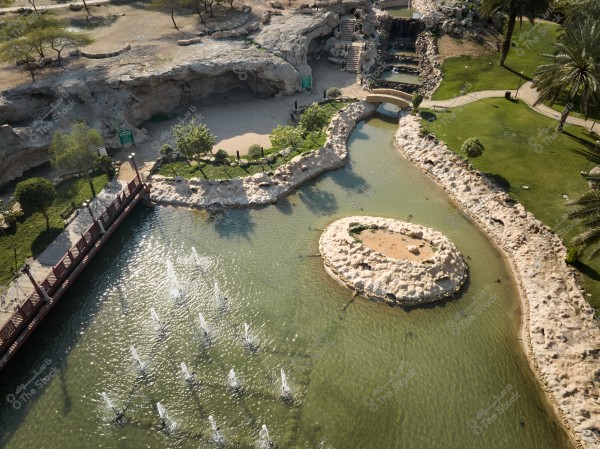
(484, 72)
(521, 149)
(30, 235)
(313, 141)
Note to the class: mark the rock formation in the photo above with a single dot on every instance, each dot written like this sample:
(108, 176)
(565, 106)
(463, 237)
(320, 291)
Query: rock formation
(124, 91)
(395, 281)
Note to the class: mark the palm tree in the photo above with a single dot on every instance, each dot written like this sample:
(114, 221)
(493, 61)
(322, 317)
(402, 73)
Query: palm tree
(575, 69)
(588, 214)
(515, 9)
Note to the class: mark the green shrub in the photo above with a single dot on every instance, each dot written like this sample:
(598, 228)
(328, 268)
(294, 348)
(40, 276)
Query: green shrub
(104, 164)
(254, 152)
(166, 149)
(333, 92)
(221, 155)
(572, 256)
(472, 147)
(417, 100)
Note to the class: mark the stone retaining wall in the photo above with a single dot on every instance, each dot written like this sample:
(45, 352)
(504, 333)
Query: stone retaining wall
(560, 333)
(263, 188)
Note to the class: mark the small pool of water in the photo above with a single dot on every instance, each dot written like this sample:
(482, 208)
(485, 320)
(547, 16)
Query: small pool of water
(407, 78)
(401, 12)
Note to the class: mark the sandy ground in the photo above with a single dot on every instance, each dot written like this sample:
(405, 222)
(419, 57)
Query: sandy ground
(240, 119)
(449, 47)
(394, 245)
(149, 31)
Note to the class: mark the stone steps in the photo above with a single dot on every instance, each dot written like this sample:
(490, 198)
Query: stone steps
(347, 29)
(353, 59)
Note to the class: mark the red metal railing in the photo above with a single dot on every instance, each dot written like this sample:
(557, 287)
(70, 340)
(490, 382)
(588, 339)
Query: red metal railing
(27, 311)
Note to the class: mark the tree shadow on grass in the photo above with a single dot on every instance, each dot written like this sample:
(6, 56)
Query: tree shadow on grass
(44, 239)
(525, 77)
(499, 181)
(586, 143)
(585, 269)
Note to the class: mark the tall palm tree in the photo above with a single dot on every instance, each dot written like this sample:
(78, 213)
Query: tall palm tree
(575, 69)
(515, 9)
(588, 214)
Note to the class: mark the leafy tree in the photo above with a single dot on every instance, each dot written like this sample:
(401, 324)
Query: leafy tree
(286, 136)
(36, 195)
(221, 155)
(314, 118)
(59, 38)
(515, 9)
(76, 151)
(575, 69)
(254, 152)
(19, 49)
(575, 10)
(587, 213)
(193, 139)
(472, 147)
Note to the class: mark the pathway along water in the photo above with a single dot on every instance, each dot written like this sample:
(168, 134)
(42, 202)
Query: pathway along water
(361, 374)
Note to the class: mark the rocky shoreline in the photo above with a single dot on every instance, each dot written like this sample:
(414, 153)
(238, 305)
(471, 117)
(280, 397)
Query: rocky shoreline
(399, 282)
(266, 187)
(560, 334)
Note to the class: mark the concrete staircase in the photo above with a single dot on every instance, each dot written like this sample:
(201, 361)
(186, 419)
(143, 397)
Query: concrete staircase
(353, 58)
(347, 29)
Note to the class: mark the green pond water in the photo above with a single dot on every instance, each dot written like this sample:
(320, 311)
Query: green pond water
(361, 374)
(401, 77)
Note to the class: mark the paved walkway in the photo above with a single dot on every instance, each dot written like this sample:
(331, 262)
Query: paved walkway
(20, 289)
(526, 93)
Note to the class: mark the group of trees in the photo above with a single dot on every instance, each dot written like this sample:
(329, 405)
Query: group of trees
(30, 37)
(75, 151)
(573, 74)
(201, 7)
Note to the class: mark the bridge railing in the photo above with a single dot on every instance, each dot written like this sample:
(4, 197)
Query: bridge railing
(60, 272)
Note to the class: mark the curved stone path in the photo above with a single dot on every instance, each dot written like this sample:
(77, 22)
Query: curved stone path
(526, 93)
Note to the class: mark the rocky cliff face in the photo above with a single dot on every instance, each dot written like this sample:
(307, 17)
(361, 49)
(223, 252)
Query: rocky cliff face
(290, 36)
(127, 90)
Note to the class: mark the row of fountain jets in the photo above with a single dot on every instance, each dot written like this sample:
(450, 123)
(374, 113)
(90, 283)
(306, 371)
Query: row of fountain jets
(264, 440)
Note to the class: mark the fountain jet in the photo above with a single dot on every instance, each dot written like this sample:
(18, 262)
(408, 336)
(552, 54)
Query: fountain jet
(286, 391)
(167, 423)
(217, 437)
(233, 381)
(176, 289)
(156, 318)
(220, 300)
(264, 441)
(109, 403)
(136, 357)
(189, 377)
(204, 327)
